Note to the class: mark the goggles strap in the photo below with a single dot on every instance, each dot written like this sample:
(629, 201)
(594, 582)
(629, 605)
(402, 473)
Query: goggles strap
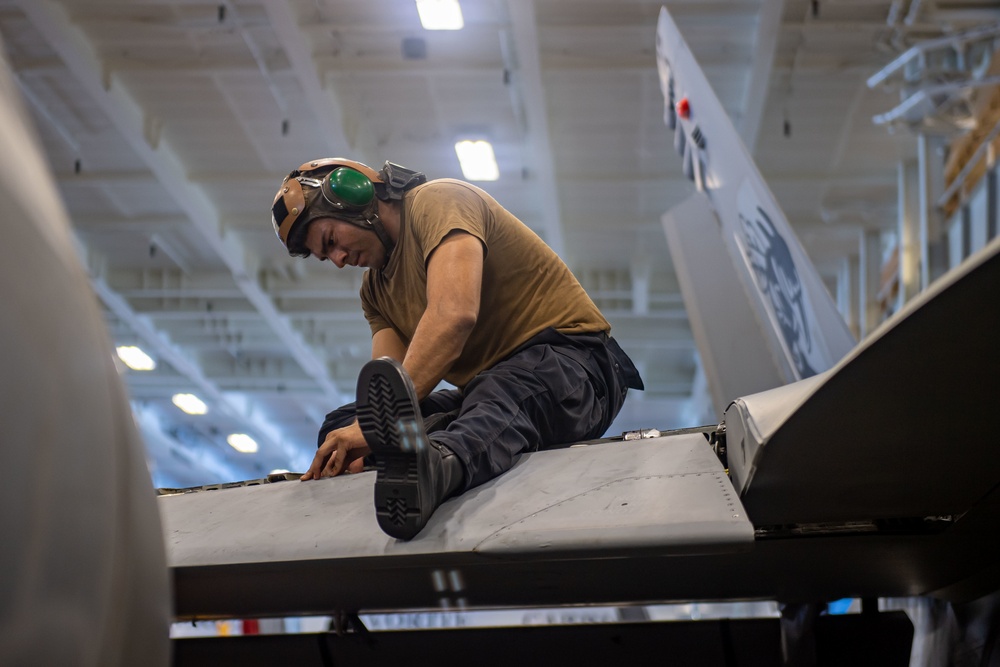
(376, 226)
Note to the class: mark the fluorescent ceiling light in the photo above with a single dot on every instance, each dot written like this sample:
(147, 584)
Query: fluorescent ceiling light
(135, 358)
(242, 442)
(190, 404)
(477, 160)
(440, 14)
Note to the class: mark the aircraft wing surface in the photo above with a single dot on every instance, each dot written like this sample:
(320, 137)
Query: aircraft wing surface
(661, 496)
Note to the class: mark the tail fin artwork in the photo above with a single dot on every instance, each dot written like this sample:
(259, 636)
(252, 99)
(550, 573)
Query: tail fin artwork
(791, 321)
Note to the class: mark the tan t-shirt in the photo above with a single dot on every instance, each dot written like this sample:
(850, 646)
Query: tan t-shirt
(526, 287)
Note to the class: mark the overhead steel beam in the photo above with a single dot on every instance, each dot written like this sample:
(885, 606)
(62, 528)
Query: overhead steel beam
(90, 177)
(670, 178)
(43, 110)
(527, 75)
(320, 100)
(857, 177)
(758, 84)
(129, 118)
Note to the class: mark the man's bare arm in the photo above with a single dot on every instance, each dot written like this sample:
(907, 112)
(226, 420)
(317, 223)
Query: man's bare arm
(454, 286)
(386, 343)
(454, 281)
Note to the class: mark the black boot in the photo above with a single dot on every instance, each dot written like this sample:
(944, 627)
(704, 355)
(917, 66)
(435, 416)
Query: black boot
(414, 475)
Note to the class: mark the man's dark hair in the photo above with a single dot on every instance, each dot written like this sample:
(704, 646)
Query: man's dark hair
(297, 240)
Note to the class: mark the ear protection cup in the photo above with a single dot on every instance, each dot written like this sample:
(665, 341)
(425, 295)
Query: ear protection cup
(339, 188)
(348, 189)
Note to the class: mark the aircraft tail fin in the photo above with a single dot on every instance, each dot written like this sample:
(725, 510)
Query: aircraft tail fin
(803, 330)
(734, 348)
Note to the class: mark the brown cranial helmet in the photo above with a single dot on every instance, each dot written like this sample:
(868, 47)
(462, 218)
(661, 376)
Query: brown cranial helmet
(331, 187)
(339, 188)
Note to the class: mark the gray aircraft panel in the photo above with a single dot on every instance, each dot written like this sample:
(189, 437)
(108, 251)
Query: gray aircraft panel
(803, 328)
(238, 552)
(900, 428)
(736, 351)
(788, 568)
(665, 495)
(83, 577)
(694, 513)
(751, 422)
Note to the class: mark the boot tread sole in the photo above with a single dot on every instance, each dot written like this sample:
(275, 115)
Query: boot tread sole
(388, 416)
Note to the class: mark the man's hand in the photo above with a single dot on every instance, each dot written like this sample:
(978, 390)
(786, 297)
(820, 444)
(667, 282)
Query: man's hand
(343, 450)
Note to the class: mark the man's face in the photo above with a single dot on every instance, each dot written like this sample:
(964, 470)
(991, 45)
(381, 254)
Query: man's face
(344, 244)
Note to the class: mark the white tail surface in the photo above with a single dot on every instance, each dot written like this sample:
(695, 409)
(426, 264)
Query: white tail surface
(804, 330)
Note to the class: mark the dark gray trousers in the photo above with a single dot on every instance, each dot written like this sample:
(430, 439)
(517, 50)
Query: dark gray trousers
(553, 390)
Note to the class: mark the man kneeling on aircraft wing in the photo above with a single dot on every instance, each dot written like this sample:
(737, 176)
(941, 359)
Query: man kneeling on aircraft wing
(458, 289)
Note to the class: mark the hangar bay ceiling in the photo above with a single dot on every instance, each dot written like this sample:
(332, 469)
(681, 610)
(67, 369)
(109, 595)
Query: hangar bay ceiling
(170, 123)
